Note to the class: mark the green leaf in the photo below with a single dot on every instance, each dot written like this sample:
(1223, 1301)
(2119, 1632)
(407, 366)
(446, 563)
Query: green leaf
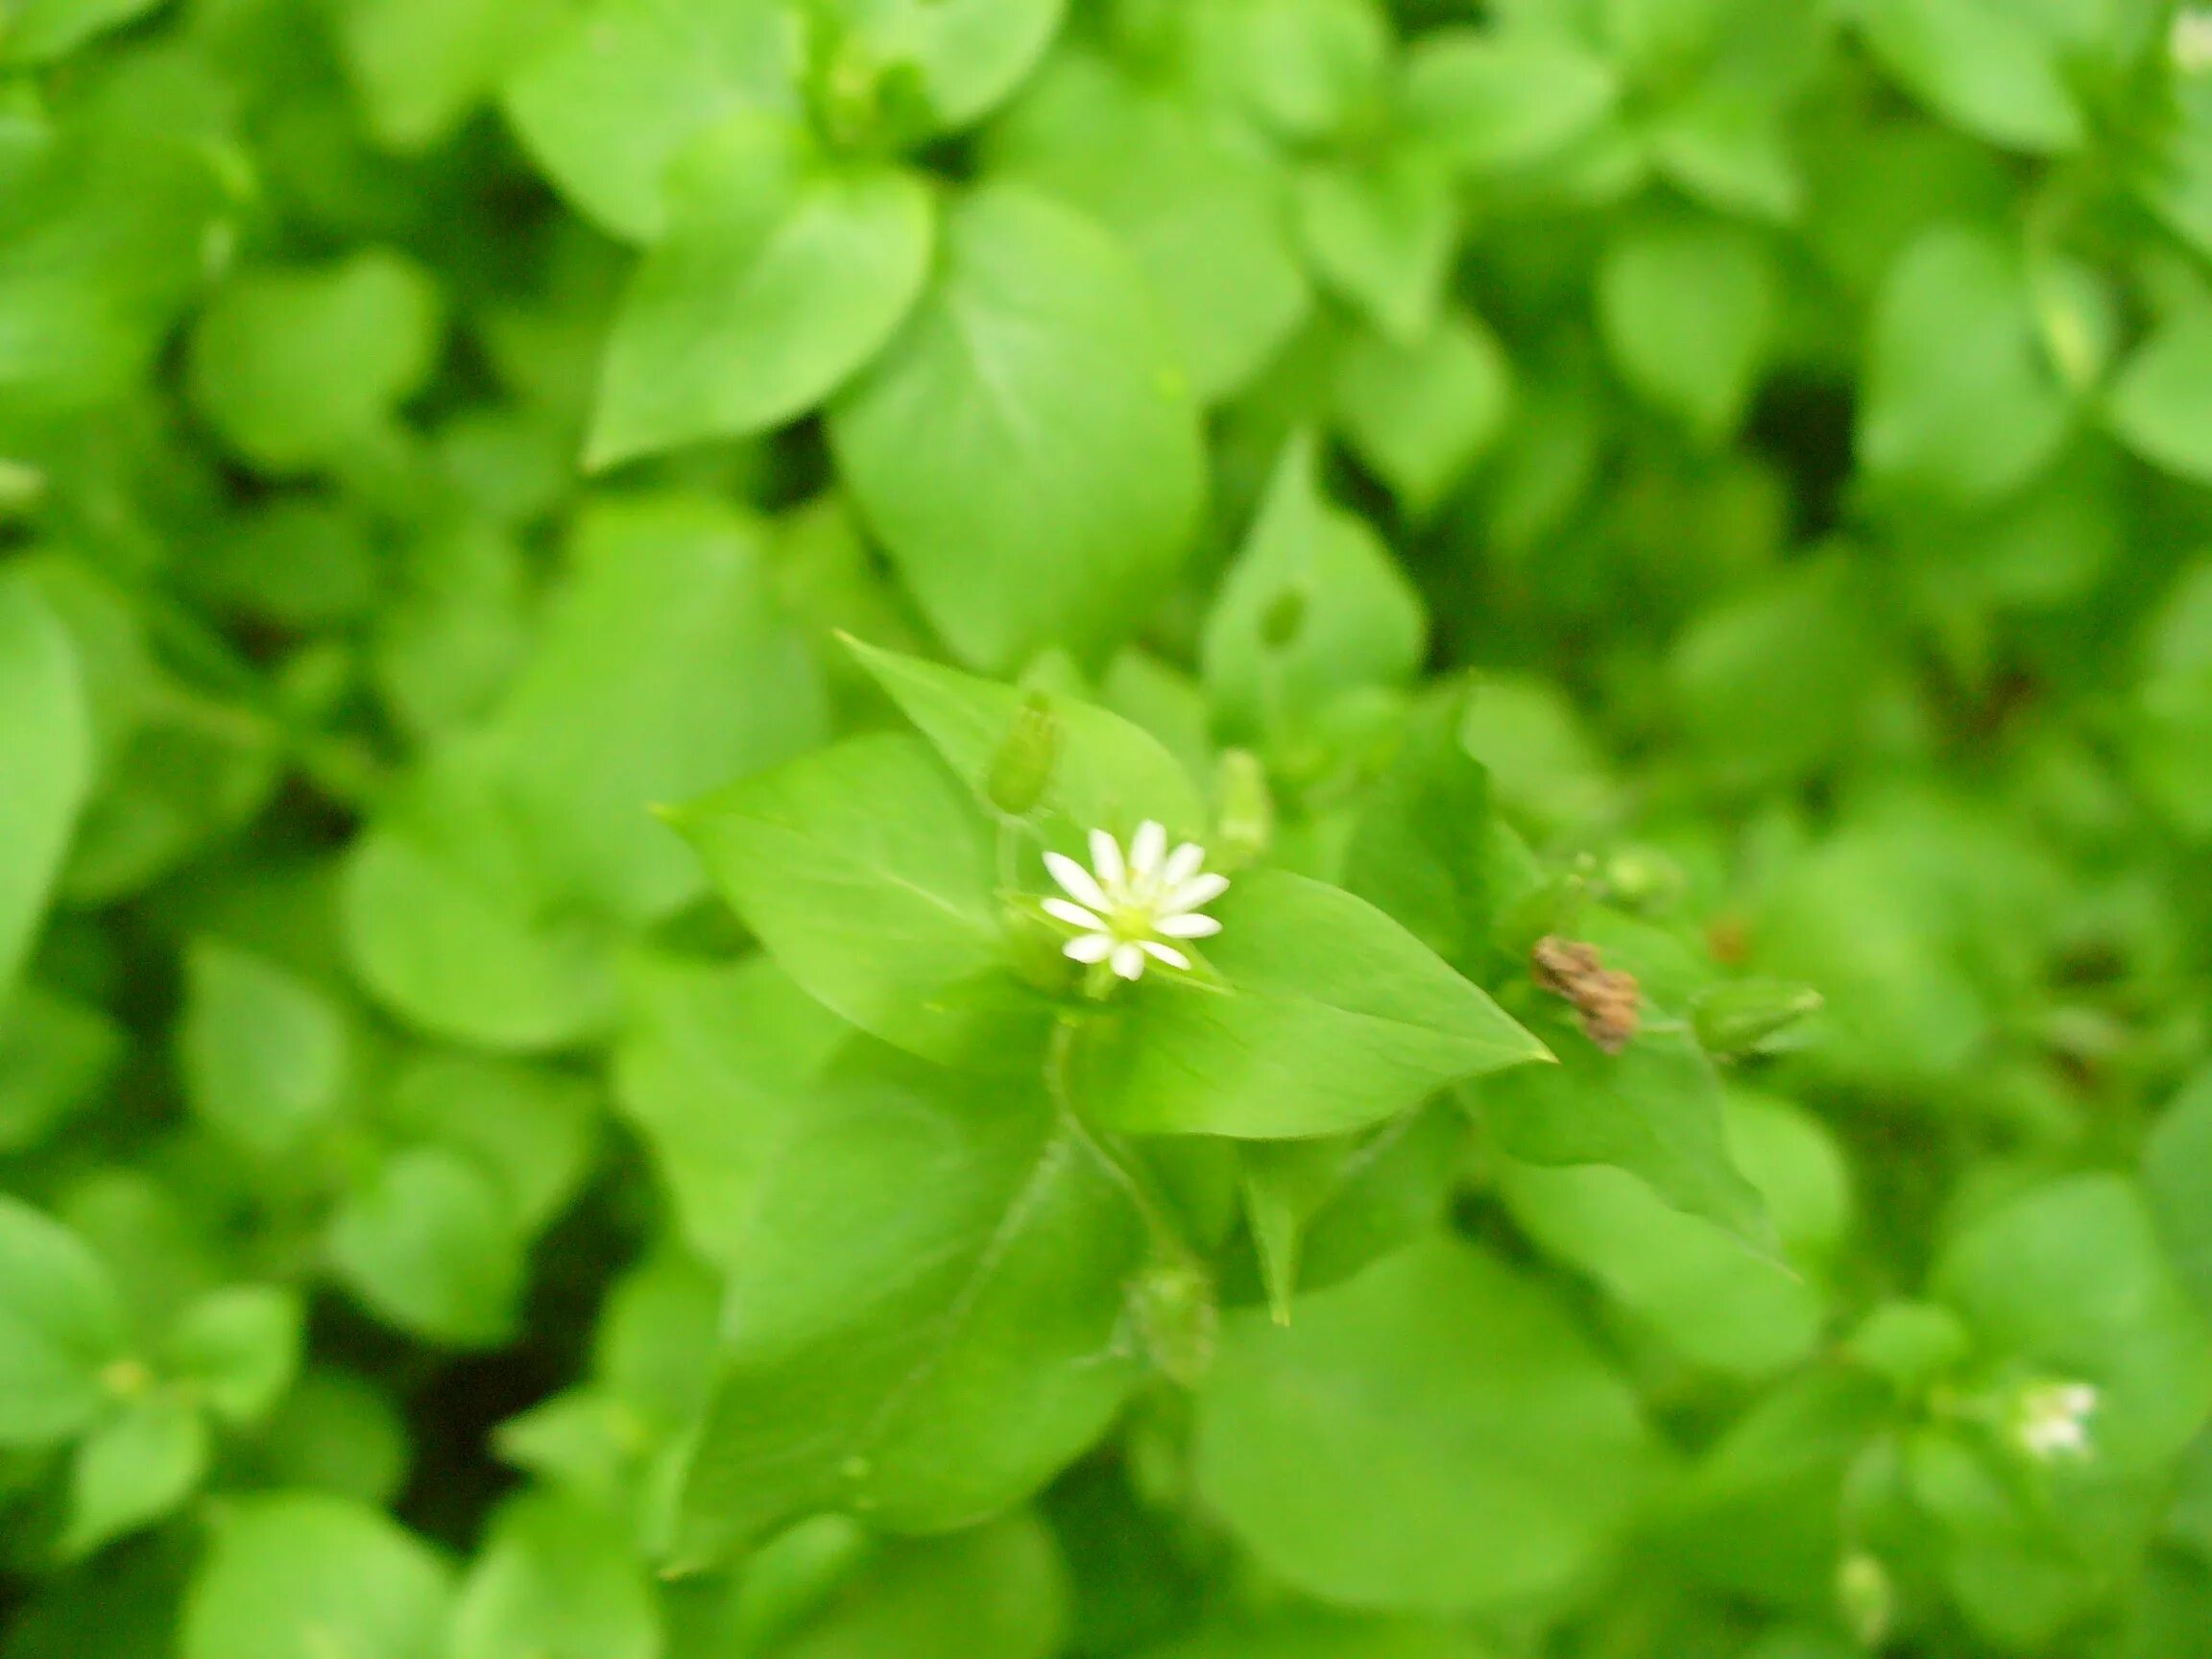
(666, 666)
(1762, 1514)
(1730, 148)
(556, 1580)
(1314, 606)
(1958, 399)
(1381, 233)
(61, 1326)
(1994, 69)
(933, 1276)
(1418, 850)
(711, 1058)
(1200, 213)
(46, 756)
(448, 923)
(967, 56)
(998, 1591)
(1315, 1635)
(337, 1433)
(616, 93)
(55, 1054)
(2177, 1177)
(1435, 1434)
(133, 1468)
(296, 1576)
(296, 368)
(780, 273)
(1654, 1109)
(267, 1056)
(1333, 1017)
(1421, 413)
(1772, 683)
(239, 1349)
(2160, 405)
(2070, 1277)
(533, 1127)
(432, 1244)
(1106, 773)
(1309, 71)
(1741, 1314)
(1493, 102)
(423, 66)
(1027, 448)
(1687, 310)
(39, 31)
(869, 877)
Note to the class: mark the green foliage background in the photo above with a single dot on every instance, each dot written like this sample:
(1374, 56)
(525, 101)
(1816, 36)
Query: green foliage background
(560, 562)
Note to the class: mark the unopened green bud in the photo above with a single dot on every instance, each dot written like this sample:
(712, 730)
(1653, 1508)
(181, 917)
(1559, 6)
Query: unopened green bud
(1864, 1598)
(21, 487)
(1178, 1318)
(1553, 909)
(1022, 767)
(1246, 826)
(1751, 1016)
(1644, 878)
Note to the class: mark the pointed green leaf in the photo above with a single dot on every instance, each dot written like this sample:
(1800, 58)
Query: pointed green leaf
(1313, 607)
(1654, 1109)
(45, 756)
(61, 1325)
(1106, 773)
(870, 878)
(1027, 448)
(134, 1469)
(1494, 100)
(1333, 1017)
(934, 1275)
(778, 276)
(614, 95)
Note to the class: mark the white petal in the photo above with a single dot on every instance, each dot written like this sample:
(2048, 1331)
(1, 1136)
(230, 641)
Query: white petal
(1186, 927)
(1166, 954)
(1091, 948)
(1106, 859)
(1146, 848)
(1128, 959)
(1074, 915)
(1182, 864)
(1198, 890)
(1078, 881)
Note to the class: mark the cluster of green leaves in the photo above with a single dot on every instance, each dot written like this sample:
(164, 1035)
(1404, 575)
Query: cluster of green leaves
(563, 562)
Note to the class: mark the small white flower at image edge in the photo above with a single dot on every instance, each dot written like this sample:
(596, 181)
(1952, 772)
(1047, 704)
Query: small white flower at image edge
(1128, 908)
(2050, 1420)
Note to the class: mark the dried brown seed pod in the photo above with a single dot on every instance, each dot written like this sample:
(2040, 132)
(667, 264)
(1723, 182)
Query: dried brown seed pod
(1608, 999)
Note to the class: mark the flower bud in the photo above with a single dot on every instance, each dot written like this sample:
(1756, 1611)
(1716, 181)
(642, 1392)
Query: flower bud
(1864, 1598)
(1020, 768)
(1751, 1016)
(1246, 815)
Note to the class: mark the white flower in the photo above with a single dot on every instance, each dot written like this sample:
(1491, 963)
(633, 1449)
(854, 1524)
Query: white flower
(1128, 908)
(2050, 1420)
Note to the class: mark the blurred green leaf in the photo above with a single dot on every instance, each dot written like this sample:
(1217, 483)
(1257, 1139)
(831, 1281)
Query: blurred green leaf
(61, 1326)
(1433, 1434)
(778, 276)
(46, 754)
(291, 1576)
(1027, 448)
